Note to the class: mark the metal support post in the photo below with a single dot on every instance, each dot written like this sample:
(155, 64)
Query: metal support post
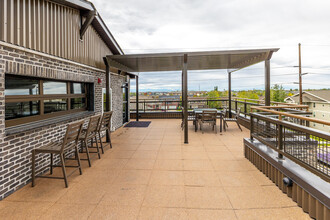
(280, 140)
(137, 97)
(267, 82)
(229, 93)
(185, 95)
(107, 90)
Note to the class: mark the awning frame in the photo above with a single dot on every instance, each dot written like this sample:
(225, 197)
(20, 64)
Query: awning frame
(232, 60)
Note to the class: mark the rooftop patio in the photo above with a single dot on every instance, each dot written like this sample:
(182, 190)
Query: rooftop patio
(151, 174)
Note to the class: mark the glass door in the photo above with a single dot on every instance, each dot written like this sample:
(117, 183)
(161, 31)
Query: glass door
(125, 103)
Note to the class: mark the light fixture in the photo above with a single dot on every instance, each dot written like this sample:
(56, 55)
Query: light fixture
(125, 85)
(287, 181)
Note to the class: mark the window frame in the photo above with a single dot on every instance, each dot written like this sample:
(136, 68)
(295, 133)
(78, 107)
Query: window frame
(41, 97)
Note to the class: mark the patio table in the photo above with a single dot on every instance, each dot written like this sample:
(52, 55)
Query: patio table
(199, 111)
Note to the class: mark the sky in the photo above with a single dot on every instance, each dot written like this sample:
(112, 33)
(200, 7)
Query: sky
(151, 26)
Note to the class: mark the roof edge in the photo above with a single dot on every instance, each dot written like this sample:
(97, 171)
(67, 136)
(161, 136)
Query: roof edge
(196, 53)
(97, 23)
(311, 95)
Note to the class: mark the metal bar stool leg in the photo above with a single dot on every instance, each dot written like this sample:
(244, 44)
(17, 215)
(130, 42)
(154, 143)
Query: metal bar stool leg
(51, 163)
(33, 167)
(78, 160)
(239, 126)
(87, 153)
(63, 170)
(97, 147)
(109, 133)
(101, 142)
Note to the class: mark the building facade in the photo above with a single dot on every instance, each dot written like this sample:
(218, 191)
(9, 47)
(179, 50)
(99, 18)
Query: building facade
(51, 73)
(318, 102)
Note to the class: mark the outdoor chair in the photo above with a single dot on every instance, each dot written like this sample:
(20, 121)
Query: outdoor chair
(209, 117)
(88, 135)
(69, 144)
(228, 119)
(105, 126)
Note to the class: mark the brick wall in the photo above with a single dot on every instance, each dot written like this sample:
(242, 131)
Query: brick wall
(117, 101)
(15, 149)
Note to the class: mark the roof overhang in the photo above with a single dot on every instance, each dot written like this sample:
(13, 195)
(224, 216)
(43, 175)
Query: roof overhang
(207, 60)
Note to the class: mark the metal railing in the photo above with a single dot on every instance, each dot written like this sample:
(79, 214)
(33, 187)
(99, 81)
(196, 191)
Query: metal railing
(148, 106)
(172, 106)
(288, 133)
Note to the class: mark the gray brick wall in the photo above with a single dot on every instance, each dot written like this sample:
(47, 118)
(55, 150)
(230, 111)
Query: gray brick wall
(117, 100)
(15, 150)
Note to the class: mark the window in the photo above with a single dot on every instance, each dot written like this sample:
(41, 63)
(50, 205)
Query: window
(21, 109)
(77, 88)
(77, 103)
(21, 86)
(53, 87)
(55, 105)
(30, 99)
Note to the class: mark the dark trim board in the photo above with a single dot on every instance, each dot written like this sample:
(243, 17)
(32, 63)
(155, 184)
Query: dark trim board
(48, 122)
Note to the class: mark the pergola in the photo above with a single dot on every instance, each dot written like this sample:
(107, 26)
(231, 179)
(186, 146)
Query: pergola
(232, 60)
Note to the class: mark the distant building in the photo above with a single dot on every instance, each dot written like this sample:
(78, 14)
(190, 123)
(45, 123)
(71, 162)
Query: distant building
(318, 102)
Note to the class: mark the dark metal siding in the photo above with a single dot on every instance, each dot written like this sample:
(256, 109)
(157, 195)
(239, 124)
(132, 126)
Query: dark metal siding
(51, 28)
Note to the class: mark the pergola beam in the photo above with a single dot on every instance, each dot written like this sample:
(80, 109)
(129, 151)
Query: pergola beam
(119, 65)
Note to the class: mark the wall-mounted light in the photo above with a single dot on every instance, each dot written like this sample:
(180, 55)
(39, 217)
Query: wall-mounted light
(287, 181)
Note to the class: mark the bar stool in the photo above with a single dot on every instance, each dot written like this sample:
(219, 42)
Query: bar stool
(69, 143)
(89, 134)
(105, 126)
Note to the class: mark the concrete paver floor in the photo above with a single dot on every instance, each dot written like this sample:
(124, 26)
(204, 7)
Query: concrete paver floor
(151, 174)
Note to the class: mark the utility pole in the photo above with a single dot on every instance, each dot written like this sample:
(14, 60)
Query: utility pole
(300, 74)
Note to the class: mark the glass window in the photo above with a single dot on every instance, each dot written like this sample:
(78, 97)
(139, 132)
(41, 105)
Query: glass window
(53, 87)
(15, 85)
(77, 103)
(55, 105)
(24, 99)
(77, 88)
(21, 109)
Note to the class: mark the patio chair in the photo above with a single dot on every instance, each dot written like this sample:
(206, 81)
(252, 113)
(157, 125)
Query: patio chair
(105, 126)
(69, 143)
(209, 117)
(89, 134)
(227, 119)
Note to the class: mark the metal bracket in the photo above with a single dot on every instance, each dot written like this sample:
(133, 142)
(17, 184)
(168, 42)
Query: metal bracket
(89, 18)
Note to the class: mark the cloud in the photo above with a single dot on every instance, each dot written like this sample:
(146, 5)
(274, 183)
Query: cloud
(148, 26)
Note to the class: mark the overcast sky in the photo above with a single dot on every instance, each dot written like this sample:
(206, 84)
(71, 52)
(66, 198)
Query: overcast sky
(150, 26)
